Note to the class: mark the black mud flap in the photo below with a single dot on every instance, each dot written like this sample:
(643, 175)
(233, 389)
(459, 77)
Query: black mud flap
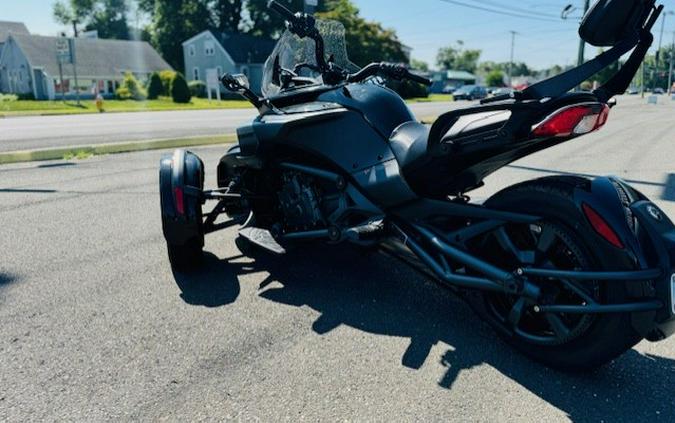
(181, 182)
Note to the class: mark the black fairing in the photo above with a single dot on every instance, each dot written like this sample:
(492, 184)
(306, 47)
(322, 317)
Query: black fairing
(382, 107)
(649, 243)
(181, 170)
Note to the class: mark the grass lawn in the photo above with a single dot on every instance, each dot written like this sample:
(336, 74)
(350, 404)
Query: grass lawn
(433, 98)
(30, 107)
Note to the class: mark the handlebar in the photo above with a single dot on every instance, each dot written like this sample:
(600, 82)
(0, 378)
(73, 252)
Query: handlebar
(390, 70)
(304, 25)
(282, 10)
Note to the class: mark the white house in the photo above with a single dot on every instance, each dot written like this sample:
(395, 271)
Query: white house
(226, 53)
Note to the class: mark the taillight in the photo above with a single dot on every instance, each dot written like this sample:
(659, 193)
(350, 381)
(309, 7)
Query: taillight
(573, 121)
(601, 227)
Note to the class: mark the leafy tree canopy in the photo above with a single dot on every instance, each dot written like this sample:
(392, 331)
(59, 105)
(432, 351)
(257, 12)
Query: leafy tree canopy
(366, 41)
(457, 58)
(419, 65)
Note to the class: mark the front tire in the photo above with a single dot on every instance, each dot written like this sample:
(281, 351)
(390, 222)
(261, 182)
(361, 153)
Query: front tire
(187, 257)
(569, 342)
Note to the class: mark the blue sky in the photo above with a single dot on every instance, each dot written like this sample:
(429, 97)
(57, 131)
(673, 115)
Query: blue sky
(425, 25)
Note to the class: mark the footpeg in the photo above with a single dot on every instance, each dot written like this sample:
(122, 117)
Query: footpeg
(263, 239)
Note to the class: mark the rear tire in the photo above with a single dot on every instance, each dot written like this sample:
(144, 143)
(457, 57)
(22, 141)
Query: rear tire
(594, 339)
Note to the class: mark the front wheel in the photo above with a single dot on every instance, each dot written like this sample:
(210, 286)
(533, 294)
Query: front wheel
(562, 240)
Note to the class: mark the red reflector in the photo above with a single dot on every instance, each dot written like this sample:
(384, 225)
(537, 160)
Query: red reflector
(601, 227)
(573, 120)
(180, 204)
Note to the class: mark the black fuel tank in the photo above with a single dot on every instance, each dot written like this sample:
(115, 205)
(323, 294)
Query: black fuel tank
(382, 107)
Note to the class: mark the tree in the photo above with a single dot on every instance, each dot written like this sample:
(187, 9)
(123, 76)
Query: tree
(155, 88)
(174, 22)
(180, 91)
(265, 22)
(456, 58)
(366, 41)
(227, 15)
(495, 78)
(419, 65)
(109, 18)
(74, 12)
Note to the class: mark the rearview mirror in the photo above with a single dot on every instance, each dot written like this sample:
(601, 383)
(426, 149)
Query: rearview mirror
(237, 83)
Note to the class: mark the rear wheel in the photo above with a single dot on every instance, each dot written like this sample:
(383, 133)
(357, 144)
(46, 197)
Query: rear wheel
(561, 241)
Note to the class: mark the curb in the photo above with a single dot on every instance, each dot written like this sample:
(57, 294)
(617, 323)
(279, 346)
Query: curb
(114, 148)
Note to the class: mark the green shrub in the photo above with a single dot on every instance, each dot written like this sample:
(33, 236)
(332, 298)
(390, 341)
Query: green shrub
(131, 89)
(198, 89)
(180, 92)
(8, 97)
(26, 96)
(409, 89)
(167, 77)
(155, 87)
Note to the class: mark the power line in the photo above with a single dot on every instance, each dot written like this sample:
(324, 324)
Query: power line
(520, 10)
(499, 12)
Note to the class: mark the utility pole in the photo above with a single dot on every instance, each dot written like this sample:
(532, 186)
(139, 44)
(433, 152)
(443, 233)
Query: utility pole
(582, 43)
(513, 47)
(74, 62)
(658, 52)
(670, 73)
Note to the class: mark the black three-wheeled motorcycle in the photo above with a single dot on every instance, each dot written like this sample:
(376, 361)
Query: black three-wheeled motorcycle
(569, 270)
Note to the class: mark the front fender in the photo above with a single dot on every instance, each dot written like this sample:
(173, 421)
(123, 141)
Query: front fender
(648, 236)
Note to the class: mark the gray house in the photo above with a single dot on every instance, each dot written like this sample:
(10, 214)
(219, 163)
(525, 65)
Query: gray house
(29, 65)
(7, 28)
(226, 53)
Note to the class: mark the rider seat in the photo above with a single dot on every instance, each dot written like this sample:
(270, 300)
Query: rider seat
(411, 142)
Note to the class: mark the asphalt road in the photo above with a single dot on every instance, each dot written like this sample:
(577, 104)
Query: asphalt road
(23, 133)
(96, 327)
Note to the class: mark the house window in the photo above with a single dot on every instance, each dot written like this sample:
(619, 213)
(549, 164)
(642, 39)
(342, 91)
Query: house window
(219, 71)
(195, 74)
(191, 50)
(209, 48)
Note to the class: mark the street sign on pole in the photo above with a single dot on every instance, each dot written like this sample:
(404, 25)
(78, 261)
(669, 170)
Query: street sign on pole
(63, 51)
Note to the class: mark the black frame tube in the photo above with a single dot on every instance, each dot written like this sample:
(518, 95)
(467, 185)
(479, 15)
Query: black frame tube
(627, 276)
(603, 309)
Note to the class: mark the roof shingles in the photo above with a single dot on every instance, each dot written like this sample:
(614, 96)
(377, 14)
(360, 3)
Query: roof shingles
(96, 58)
(7, 28)
(244, 48)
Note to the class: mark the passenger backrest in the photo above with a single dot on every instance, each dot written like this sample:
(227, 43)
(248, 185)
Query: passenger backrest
(608, 22)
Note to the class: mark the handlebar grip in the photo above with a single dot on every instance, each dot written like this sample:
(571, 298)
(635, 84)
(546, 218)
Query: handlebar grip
(281, 9)
(419, 79)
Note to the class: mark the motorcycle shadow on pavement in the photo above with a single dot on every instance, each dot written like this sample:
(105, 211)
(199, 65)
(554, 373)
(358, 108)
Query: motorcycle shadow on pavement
(374, 293)
(212, 285)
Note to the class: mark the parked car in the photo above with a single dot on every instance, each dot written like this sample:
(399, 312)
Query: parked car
(632, 91)
(470, 92)
(449, 89)
(502, 91)
(658, 91)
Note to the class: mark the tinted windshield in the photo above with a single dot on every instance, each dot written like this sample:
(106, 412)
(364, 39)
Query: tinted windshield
(291, 51)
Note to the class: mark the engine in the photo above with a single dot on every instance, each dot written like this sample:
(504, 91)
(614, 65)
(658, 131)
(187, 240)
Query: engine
(301, 202)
